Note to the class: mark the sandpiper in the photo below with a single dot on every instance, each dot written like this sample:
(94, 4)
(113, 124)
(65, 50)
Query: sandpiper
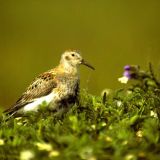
(56, 87)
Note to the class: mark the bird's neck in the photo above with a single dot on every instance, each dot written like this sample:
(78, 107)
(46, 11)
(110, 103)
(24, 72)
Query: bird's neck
(68, 69)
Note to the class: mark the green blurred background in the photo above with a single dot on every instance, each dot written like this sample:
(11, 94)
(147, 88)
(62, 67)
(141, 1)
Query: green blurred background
(110, 34)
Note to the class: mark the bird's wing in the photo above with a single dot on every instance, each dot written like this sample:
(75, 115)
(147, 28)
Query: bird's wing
(41, 86)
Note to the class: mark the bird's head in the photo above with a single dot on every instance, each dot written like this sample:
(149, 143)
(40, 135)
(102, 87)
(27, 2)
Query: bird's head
(72, 58)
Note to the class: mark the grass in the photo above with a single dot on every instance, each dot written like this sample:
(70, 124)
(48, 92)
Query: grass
(122, 124)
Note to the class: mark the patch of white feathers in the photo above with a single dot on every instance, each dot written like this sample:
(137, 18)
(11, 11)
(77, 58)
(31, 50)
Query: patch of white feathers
(39, 101)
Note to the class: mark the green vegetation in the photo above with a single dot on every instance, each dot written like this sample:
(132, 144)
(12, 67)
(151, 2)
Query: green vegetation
(122, 124)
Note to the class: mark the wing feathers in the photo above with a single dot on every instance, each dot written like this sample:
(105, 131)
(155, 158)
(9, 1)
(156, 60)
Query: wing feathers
(41, 86)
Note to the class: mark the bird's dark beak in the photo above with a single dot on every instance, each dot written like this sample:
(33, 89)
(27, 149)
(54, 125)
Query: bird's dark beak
(87, 64)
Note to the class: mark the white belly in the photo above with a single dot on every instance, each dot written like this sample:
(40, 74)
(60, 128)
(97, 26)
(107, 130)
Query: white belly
(39, 101)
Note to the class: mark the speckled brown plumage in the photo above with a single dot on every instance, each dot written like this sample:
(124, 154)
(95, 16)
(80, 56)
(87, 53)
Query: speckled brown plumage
(41, 86)
(58, 86)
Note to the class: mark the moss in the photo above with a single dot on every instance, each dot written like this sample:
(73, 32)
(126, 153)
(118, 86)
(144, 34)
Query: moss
(122, 124)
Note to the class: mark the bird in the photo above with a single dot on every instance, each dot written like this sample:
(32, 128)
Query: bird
(56, 87)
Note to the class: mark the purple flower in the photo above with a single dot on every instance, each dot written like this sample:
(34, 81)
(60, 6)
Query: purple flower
(130, 72)
(127, 68)
(127, 74)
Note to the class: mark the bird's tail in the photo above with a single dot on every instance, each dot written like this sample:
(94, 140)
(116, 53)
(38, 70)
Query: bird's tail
(8, 116)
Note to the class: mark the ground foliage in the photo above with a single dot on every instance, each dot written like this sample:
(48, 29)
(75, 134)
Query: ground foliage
(122, 124)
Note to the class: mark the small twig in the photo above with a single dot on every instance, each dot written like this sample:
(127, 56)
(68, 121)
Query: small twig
(104, 98)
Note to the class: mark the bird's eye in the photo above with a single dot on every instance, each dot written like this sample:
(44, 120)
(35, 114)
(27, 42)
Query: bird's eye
(73, 55)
